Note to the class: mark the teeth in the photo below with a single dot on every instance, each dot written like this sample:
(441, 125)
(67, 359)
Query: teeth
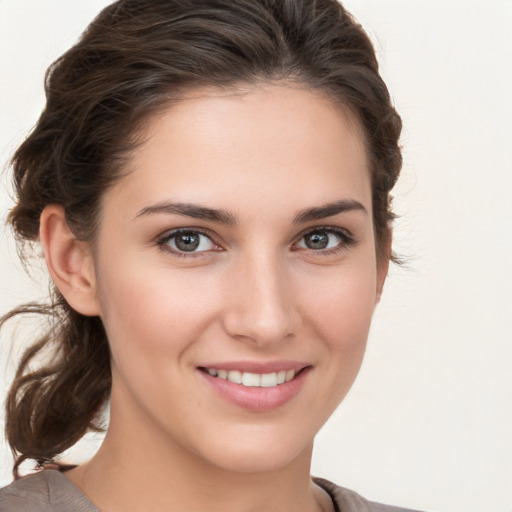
(235, 376)
(253, 380)
(268, 380)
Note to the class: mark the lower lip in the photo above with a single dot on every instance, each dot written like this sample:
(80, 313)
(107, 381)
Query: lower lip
(257, 398)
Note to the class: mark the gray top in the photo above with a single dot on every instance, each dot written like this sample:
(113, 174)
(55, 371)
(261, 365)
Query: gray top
(51, 491)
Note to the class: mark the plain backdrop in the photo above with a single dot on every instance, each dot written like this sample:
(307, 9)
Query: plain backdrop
(428, 423)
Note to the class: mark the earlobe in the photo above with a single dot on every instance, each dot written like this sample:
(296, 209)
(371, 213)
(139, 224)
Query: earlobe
(69, 261)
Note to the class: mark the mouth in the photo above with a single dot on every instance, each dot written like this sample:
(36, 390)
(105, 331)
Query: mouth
(263, 388)
(253, 380)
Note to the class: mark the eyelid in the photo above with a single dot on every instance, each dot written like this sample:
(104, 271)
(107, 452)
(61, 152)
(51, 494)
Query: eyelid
(346, 239)
(164, 238)
(343, 232)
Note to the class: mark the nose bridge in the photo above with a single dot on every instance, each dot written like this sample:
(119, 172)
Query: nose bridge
(261, 308)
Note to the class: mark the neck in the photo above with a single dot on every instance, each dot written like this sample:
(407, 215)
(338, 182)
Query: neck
(140, 468)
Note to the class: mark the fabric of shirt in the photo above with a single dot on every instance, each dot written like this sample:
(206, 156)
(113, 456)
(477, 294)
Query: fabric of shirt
(51, 491)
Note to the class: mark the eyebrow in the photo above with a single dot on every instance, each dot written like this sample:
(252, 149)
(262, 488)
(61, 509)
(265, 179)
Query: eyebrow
(224, 217)
(328, 210)
(189, 210)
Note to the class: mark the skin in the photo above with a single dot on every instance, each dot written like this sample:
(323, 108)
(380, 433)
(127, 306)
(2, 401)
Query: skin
(256, 292)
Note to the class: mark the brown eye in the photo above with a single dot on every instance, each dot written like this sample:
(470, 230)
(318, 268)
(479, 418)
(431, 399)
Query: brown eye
(189, 241)
(325, 240)
(317, 240)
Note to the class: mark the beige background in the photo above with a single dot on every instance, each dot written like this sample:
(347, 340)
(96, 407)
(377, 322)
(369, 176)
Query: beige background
(428, 424)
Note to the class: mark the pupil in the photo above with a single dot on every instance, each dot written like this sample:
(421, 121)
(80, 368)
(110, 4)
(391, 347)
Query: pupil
(319, 240)
(187, 242)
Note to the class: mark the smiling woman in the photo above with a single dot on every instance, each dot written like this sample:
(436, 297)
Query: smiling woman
(209, 183)
(242, 289)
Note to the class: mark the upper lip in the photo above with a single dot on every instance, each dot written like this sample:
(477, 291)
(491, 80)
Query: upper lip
(257, 366)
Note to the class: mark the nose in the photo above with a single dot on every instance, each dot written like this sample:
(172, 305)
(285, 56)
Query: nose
(260, 307)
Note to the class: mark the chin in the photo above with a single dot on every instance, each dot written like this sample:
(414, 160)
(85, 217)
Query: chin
(256, 455)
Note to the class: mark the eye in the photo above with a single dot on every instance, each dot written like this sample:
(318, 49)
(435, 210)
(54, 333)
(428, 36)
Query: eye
(325, 240)
(188, 241)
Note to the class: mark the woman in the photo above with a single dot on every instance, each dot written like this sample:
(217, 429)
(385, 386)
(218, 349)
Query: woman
(210, 184)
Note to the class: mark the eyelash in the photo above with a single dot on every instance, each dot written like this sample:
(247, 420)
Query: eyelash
(346, 240)
(167, 237)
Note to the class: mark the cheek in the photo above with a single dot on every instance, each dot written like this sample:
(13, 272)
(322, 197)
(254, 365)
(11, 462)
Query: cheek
(342, 309)
(337, 317)
(151, 310)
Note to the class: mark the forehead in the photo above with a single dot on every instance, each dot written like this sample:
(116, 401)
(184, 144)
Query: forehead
(278, 142)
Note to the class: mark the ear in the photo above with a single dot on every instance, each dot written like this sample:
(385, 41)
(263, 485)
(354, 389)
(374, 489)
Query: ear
(69, 261)
(383, 258)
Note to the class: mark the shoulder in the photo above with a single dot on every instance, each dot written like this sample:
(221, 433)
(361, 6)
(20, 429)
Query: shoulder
(349, 501)
(27, 493)
(48, 491)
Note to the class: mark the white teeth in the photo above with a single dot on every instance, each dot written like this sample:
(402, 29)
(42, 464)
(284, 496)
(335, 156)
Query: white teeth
(235, 376)
(268, 380)
(253, 380)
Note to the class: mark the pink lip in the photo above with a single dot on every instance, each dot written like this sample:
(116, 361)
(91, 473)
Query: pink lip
(258, 366)
(257, 398)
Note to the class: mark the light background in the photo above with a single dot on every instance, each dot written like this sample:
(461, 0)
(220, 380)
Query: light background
(428, 424)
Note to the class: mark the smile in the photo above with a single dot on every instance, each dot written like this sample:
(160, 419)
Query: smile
(253, 380)
(254, 385)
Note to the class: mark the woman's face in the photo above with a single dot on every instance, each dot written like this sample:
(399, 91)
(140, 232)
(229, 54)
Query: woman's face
(240, 247)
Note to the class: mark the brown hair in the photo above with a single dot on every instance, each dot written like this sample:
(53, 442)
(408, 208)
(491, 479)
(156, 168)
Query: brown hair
(134, 58)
